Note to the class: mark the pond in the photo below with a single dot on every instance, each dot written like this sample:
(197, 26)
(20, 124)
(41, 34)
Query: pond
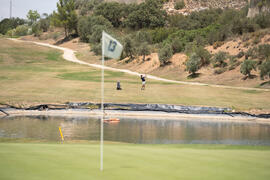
(132, 130)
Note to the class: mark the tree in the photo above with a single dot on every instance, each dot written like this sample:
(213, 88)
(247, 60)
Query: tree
(193, 64)
(204, 55)
(33, 16)
(44, 24)
(87, 26)
(128, 47)
(180, 4)
(265, 69)
(66, 16)
(21, 30)
(112, 11)
(143, 50)
(36, 29)
(146, 14)
(8, 24)
(96, 35)
(247, 67)
(143, 36)
(177, 45)
(264, 51)
(165, 54)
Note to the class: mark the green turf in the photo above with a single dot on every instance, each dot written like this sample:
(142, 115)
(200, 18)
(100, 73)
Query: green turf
(133, 162)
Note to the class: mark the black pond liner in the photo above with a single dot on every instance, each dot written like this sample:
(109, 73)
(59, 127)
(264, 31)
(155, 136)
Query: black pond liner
(143, 107)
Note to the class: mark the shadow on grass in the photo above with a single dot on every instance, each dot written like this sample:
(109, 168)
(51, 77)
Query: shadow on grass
(267, 83)
(66, 39)
(249, 77)
(195, 75)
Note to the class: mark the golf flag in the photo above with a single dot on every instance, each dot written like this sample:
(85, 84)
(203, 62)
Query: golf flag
(111, 47)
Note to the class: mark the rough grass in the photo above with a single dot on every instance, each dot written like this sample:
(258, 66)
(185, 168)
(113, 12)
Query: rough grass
(31, 74)
(129, 161)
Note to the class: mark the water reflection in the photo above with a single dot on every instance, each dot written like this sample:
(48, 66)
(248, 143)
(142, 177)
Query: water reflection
(136, 130)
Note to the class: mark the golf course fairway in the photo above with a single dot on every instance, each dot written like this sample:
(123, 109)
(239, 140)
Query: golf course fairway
(133, 161)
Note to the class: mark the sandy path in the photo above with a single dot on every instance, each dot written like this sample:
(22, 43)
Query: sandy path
(69, 55)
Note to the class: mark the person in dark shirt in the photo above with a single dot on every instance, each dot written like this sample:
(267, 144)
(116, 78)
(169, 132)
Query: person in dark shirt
(143, 82)
(118, 86)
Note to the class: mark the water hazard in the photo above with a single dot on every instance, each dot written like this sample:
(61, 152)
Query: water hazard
(140, 131)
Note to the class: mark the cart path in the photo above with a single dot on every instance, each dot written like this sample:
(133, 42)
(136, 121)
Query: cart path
(69, 55)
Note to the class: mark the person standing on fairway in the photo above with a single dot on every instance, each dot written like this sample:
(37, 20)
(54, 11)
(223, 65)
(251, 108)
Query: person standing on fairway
(143, 82)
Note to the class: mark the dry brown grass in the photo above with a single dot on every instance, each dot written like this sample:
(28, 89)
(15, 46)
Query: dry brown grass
(30, 78)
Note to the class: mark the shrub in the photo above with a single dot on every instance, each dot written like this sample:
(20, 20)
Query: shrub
(265, 69)
(264, 51)
(190, 48)
(112, 11)
(8, 24)
(96, 35)
(56, 35)
(143, 36)
(193, 64)
(200, 41)
(263, 20)
(180, 4)
(233, 63)
(219, 59)
(240, 54)
(10, 33)
(247, 67)
(251, 52)
(44, 24)
(86, 26)
(217, 44)
(21, 30)
(36, 29)
(160, 34)
(96, 48)
(177, 45)
(257, 40)
(204, 55)
(148, 14)
(165, 54)
(220, 70)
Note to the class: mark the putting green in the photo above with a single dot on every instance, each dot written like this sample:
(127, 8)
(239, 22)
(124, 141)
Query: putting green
(129, 161)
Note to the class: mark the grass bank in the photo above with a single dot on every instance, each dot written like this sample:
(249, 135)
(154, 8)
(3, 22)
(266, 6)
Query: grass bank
(30, 74)
(129, 161)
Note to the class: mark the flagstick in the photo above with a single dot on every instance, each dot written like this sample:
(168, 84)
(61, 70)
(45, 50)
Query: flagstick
(102, 108)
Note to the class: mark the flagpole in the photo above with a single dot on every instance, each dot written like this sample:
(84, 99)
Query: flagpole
(102, 107)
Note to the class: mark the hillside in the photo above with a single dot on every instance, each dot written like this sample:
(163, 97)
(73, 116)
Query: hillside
(208, 33)
(194, 5)
(215, 46)
(199, 5)
(258, 6)
(176, 70)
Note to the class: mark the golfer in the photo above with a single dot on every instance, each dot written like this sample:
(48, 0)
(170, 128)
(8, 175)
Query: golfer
(143, 81)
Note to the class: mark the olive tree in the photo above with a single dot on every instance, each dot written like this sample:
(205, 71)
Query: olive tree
(165, 54)
(143, 50)
(247, 66)
(265, 69)
(193, 64)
